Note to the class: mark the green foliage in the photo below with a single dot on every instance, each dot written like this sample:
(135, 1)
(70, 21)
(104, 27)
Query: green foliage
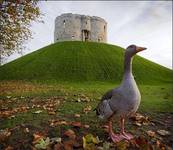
(76, 61)
(15, 19)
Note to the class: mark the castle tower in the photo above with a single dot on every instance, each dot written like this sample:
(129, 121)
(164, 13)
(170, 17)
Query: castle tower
(74, 27)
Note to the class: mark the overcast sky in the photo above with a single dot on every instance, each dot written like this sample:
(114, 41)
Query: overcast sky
(144, 23)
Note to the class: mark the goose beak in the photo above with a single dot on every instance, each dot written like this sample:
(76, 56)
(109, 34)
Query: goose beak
(138, 49)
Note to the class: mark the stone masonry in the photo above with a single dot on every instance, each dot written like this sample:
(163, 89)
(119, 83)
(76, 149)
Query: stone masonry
(75, 27)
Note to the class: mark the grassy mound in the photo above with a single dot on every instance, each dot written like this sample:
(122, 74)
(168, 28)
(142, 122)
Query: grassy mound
(82, 61)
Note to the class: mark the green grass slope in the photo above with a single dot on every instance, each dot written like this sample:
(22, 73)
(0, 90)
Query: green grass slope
(82, 61)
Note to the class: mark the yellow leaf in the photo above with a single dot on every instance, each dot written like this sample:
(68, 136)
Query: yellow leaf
(89, 142)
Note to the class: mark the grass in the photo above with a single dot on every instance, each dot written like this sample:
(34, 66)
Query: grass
(76, 61)
(154, 97)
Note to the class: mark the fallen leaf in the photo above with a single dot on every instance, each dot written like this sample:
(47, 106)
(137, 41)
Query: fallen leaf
(58, 146)
(70, 133)
(4, 134)
(38, 111)
(37, 137)
(55, 139)
(137, 123)
(77, 115)
(106, 146)
(9, 148)
(26, 130)
(140, 119)
(151, 133)
(78, 100)
(51, 113)
(58, 122)
(163, 132)
(122, 145)
(87, 109)
(42, 144)
(68, 145)
(76, 124)
(8, 97)
(89, 141)
(86, 126)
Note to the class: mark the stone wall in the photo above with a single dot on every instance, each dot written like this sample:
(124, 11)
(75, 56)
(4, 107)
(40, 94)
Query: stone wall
(69, 27)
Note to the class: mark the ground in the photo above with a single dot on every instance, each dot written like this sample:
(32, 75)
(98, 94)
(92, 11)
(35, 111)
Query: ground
(60, 116)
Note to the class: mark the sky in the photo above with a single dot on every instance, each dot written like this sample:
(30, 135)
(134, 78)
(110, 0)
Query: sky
(144, 23)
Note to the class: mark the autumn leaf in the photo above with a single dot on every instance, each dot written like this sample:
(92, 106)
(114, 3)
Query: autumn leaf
(4, 134)
(70, 133)
(163, 132)
(37, 137)
(106, 146)
(38, 111)
(51, 113)
(89, 142)
(122, 145)
(76, 124)
(151, 133)
(87, 109)
(77, 115)
(58, 122)
(86, 126)
(42, 144)
(68, 145)
(9, 148)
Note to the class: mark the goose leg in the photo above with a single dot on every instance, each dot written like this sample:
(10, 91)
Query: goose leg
(127, 136)
(115, 137)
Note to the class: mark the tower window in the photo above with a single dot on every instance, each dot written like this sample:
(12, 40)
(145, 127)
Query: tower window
(104, 28)
(64, 23)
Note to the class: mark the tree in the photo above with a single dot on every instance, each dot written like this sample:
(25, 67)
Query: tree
(15, 21)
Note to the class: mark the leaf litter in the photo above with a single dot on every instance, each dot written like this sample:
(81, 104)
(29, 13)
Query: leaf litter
(73, 138)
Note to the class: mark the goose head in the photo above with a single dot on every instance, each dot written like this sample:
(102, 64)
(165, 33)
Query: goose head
(133, 49)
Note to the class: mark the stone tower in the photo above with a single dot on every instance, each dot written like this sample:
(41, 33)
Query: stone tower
(75, 27)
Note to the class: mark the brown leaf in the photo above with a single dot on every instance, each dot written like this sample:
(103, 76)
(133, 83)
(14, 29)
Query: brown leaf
(87, 109)
(4, 134)
(37, 137)
(76, 124)
(137, 123)
(151, 133)
(58, 122)
(77, 115)
(9, 148)
(140, 140)
(51, 113)
(140, 119)
(163, 132)
(58, 146)
(86, 126)
(68, 145)
(70, 133)
(26, 130)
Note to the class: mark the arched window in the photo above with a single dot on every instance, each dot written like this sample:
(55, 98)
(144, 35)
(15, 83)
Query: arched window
(64, 23)
(104, 28)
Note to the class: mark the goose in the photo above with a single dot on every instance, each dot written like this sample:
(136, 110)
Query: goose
(122, 101)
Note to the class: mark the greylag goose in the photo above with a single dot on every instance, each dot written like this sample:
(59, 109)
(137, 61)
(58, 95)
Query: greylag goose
(122, 101)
